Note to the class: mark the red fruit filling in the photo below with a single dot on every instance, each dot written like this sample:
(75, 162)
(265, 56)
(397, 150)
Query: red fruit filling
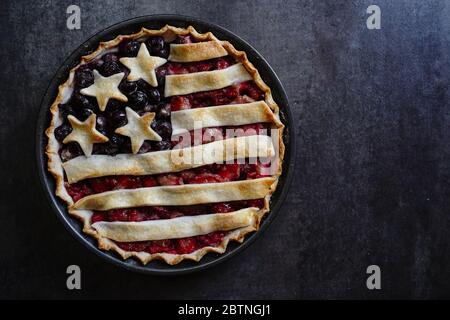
(170, 212)
(175, 246)
(206, 174)
(241, 93)
(191, 67)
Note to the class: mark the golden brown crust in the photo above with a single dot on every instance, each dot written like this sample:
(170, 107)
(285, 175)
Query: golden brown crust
(54, 161)
(143, 66)
(178, 195)
(180, 84)
(256, 146)
(85, 133)
(219, 116)
(181, 227)
(199, 51)
(138, 129)
(105, 88)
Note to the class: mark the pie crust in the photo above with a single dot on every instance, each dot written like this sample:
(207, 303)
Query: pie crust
(174, 160)
(199, 51)
(180, 84)
(143, 66)
(246, 220)
(105, 88)
(171, 228)
(138, 129)
(220, 116)
(84, 133)
(180, 195)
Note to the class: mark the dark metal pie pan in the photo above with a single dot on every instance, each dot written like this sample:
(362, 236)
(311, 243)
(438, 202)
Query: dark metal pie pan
(156, 22)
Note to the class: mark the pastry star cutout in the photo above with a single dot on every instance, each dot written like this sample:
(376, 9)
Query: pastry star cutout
(85, 133)
(105, 88)
(138, 129)
(143, 66)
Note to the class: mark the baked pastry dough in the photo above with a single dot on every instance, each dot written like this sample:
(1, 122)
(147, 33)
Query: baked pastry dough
(175, 160)
(84, 133)
(181, 227)
(143, 66)
(138, 129)
(218, 116)
(105, 88)
(181, 195)
(180, 84)
(73, 177)
(199, 51)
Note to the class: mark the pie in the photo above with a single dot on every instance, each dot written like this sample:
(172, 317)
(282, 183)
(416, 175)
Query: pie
(166, 144)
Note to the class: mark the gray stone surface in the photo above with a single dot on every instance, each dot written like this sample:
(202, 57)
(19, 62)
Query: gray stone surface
(372, 179)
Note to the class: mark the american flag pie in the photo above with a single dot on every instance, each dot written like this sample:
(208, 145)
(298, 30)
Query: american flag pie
(166, 144)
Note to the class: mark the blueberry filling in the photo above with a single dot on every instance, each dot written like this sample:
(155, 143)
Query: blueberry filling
(129, 48)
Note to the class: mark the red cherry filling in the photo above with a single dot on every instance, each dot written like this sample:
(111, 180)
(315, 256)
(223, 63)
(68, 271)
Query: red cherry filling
(78, 190)
(170, 212)
(241, 93)
(206, 174)
(175, 246)
(191, 67)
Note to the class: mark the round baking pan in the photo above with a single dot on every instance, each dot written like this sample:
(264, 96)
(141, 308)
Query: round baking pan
(156, 22)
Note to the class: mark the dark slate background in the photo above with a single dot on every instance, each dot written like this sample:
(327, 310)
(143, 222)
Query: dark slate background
(373, 157)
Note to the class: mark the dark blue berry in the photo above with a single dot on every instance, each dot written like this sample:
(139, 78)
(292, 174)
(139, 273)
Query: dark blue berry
(164, 111)
(110, 57)
(129, 48)
(84, 77)
(65, 110)
(85, 113)
(70, 151)
(155, 44)
(163, 128)
(143, 85)
(158, 47)
(163, 53)
(138, 100)
(118, 119)
(128, 87)
(125, 147)
(101, 123)
(112, 106)
(149, 108)
(162, 145)
(105, 148)
(79, 101)
(62, 131)
(110, 67)
(154, 95)
(161, 76)
(96, 64)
